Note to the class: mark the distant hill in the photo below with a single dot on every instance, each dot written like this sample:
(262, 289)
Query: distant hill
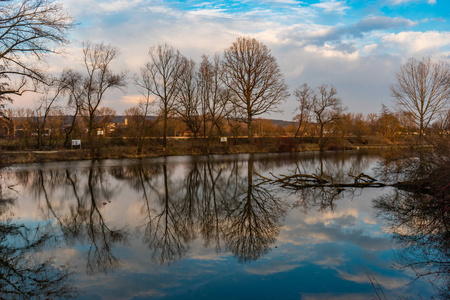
(121, 119)
(281, 122)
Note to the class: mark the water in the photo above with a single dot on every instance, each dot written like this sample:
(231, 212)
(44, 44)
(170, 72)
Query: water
(198, 228)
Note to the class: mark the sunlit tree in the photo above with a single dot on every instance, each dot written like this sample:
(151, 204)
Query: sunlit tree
(252, 74)
(423, 90)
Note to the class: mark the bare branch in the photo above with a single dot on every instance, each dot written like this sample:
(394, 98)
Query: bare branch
(253, 76)
(28, 30)
(423, 90)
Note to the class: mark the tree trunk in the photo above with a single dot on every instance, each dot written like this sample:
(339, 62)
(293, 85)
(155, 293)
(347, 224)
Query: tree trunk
(165, 129)
(250, 129)
(321, 140)
(140, 140)
(90, 137)
(72, 126)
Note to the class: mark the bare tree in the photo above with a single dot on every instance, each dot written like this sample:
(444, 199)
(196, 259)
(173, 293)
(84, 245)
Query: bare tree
(442, 124)
(253, 75)
(388, 123)
(29, 29)
(74, 90)
(162, 74)
(99, 79)
(139, 124)
(140, 113)
(45, 105)
(327, 109)
(25, 125)
(422, 89)
(104, 117)
(304, 96)
(215, 97)
(188, 105)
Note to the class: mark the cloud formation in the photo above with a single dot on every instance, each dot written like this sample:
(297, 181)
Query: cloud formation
(332, 6)
(356, 48)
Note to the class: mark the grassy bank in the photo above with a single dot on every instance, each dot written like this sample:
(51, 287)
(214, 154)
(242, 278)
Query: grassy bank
(109, 150)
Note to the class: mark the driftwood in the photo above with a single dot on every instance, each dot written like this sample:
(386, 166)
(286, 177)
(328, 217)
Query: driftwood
(302, 181)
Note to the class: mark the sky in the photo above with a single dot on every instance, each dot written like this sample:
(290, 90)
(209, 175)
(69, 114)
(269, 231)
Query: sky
(356, 46)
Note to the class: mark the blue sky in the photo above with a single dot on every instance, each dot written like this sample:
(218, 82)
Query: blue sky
(357, 46)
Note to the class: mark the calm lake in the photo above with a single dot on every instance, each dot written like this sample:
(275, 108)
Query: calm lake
(198, 228)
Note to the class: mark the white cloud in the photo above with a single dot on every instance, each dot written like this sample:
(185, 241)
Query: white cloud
(211, 13)
(271, 269)
(327, 51)
(332, 6)
(401, 2)
(413, 43)
(368, 49)
(384, 281)
(119, 5)
(331, 261)
(291, 2)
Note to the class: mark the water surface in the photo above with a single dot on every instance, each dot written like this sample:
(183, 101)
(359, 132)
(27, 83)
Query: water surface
(205, 227)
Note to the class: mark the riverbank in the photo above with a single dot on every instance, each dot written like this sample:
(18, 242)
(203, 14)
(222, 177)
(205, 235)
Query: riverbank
(185, 147)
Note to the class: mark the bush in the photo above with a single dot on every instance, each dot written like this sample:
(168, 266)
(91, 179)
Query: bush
(286, 144)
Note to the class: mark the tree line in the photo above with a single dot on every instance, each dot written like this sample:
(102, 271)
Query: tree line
(211, 98)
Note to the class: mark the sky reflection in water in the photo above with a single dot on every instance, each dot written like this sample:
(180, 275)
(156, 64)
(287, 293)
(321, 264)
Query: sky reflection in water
(206, 227)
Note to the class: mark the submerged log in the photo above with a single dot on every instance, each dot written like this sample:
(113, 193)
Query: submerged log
(303, 181)
(300, 178)
(363, 178)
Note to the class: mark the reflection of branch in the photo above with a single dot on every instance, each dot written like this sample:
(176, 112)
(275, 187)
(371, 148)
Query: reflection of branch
(302, 181)
(22, 274)
(47, 200)
(166, 233)
(420, 224)
(84, 219)
(212, 207)
(320, 189)
(253, 223)
(7, 198)
(160, 231)
(376, 286)
(76, 218)
(100, 257)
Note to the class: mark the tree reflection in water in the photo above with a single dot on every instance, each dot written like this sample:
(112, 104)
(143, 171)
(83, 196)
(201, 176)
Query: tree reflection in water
(101, 237)
(213, 193)
(218, 205)
(220, 202)
(25, 273)
(420, 224)
(167, 232)
(418, 212)
(83, 222)
(253, 219)
(311, 194)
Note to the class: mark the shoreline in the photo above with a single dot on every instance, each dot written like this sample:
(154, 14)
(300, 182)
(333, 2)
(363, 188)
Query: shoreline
(124, 152)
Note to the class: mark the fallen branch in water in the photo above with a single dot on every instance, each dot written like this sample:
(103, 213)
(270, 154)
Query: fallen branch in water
(302, 181)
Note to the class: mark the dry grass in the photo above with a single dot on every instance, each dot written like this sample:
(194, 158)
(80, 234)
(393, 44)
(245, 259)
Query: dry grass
(177, 147)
